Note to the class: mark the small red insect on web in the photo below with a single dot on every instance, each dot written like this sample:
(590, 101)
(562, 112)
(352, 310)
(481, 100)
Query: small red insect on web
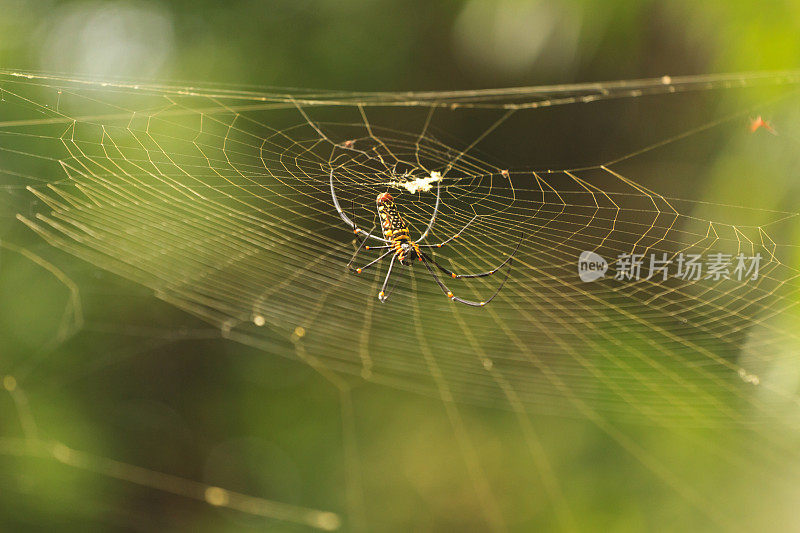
(759, 122)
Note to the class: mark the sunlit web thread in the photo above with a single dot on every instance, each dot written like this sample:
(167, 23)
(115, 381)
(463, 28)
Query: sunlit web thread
(300, 155)
(199, 199)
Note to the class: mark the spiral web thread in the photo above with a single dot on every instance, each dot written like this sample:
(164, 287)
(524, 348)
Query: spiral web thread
(218, 200)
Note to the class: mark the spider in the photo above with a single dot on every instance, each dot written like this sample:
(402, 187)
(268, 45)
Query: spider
(397, 242)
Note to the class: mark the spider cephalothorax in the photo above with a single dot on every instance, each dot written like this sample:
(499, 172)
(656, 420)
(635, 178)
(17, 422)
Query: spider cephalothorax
(397, 241)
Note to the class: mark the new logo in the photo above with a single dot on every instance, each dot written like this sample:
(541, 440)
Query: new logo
(591, 266)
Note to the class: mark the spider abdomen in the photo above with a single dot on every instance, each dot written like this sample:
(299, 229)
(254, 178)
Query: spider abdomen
(393, 225)
(395, 228)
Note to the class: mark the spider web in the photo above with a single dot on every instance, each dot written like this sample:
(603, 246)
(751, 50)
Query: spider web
(218, 201)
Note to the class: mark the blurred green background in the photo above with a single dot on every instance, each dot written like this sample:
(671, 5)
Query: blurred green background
(143, 383)
(383, 45)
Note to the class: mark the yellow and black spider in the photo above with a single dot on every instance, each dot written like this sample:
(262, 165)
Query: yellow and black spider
(397, 242)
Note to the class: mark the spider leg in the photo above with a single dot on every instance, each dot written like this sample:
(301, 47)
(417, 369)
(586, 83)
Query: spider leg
(456, 236)
(394, 284)
(480, 274)
(382, 295)
(359, 270)
(346, 219)
(384, 247)
(349, 265)
(435, 210)
(455, 298)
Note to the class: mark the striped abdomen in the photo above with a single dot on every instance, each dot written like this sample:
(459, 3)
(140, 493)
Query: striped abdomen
(393, 225)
